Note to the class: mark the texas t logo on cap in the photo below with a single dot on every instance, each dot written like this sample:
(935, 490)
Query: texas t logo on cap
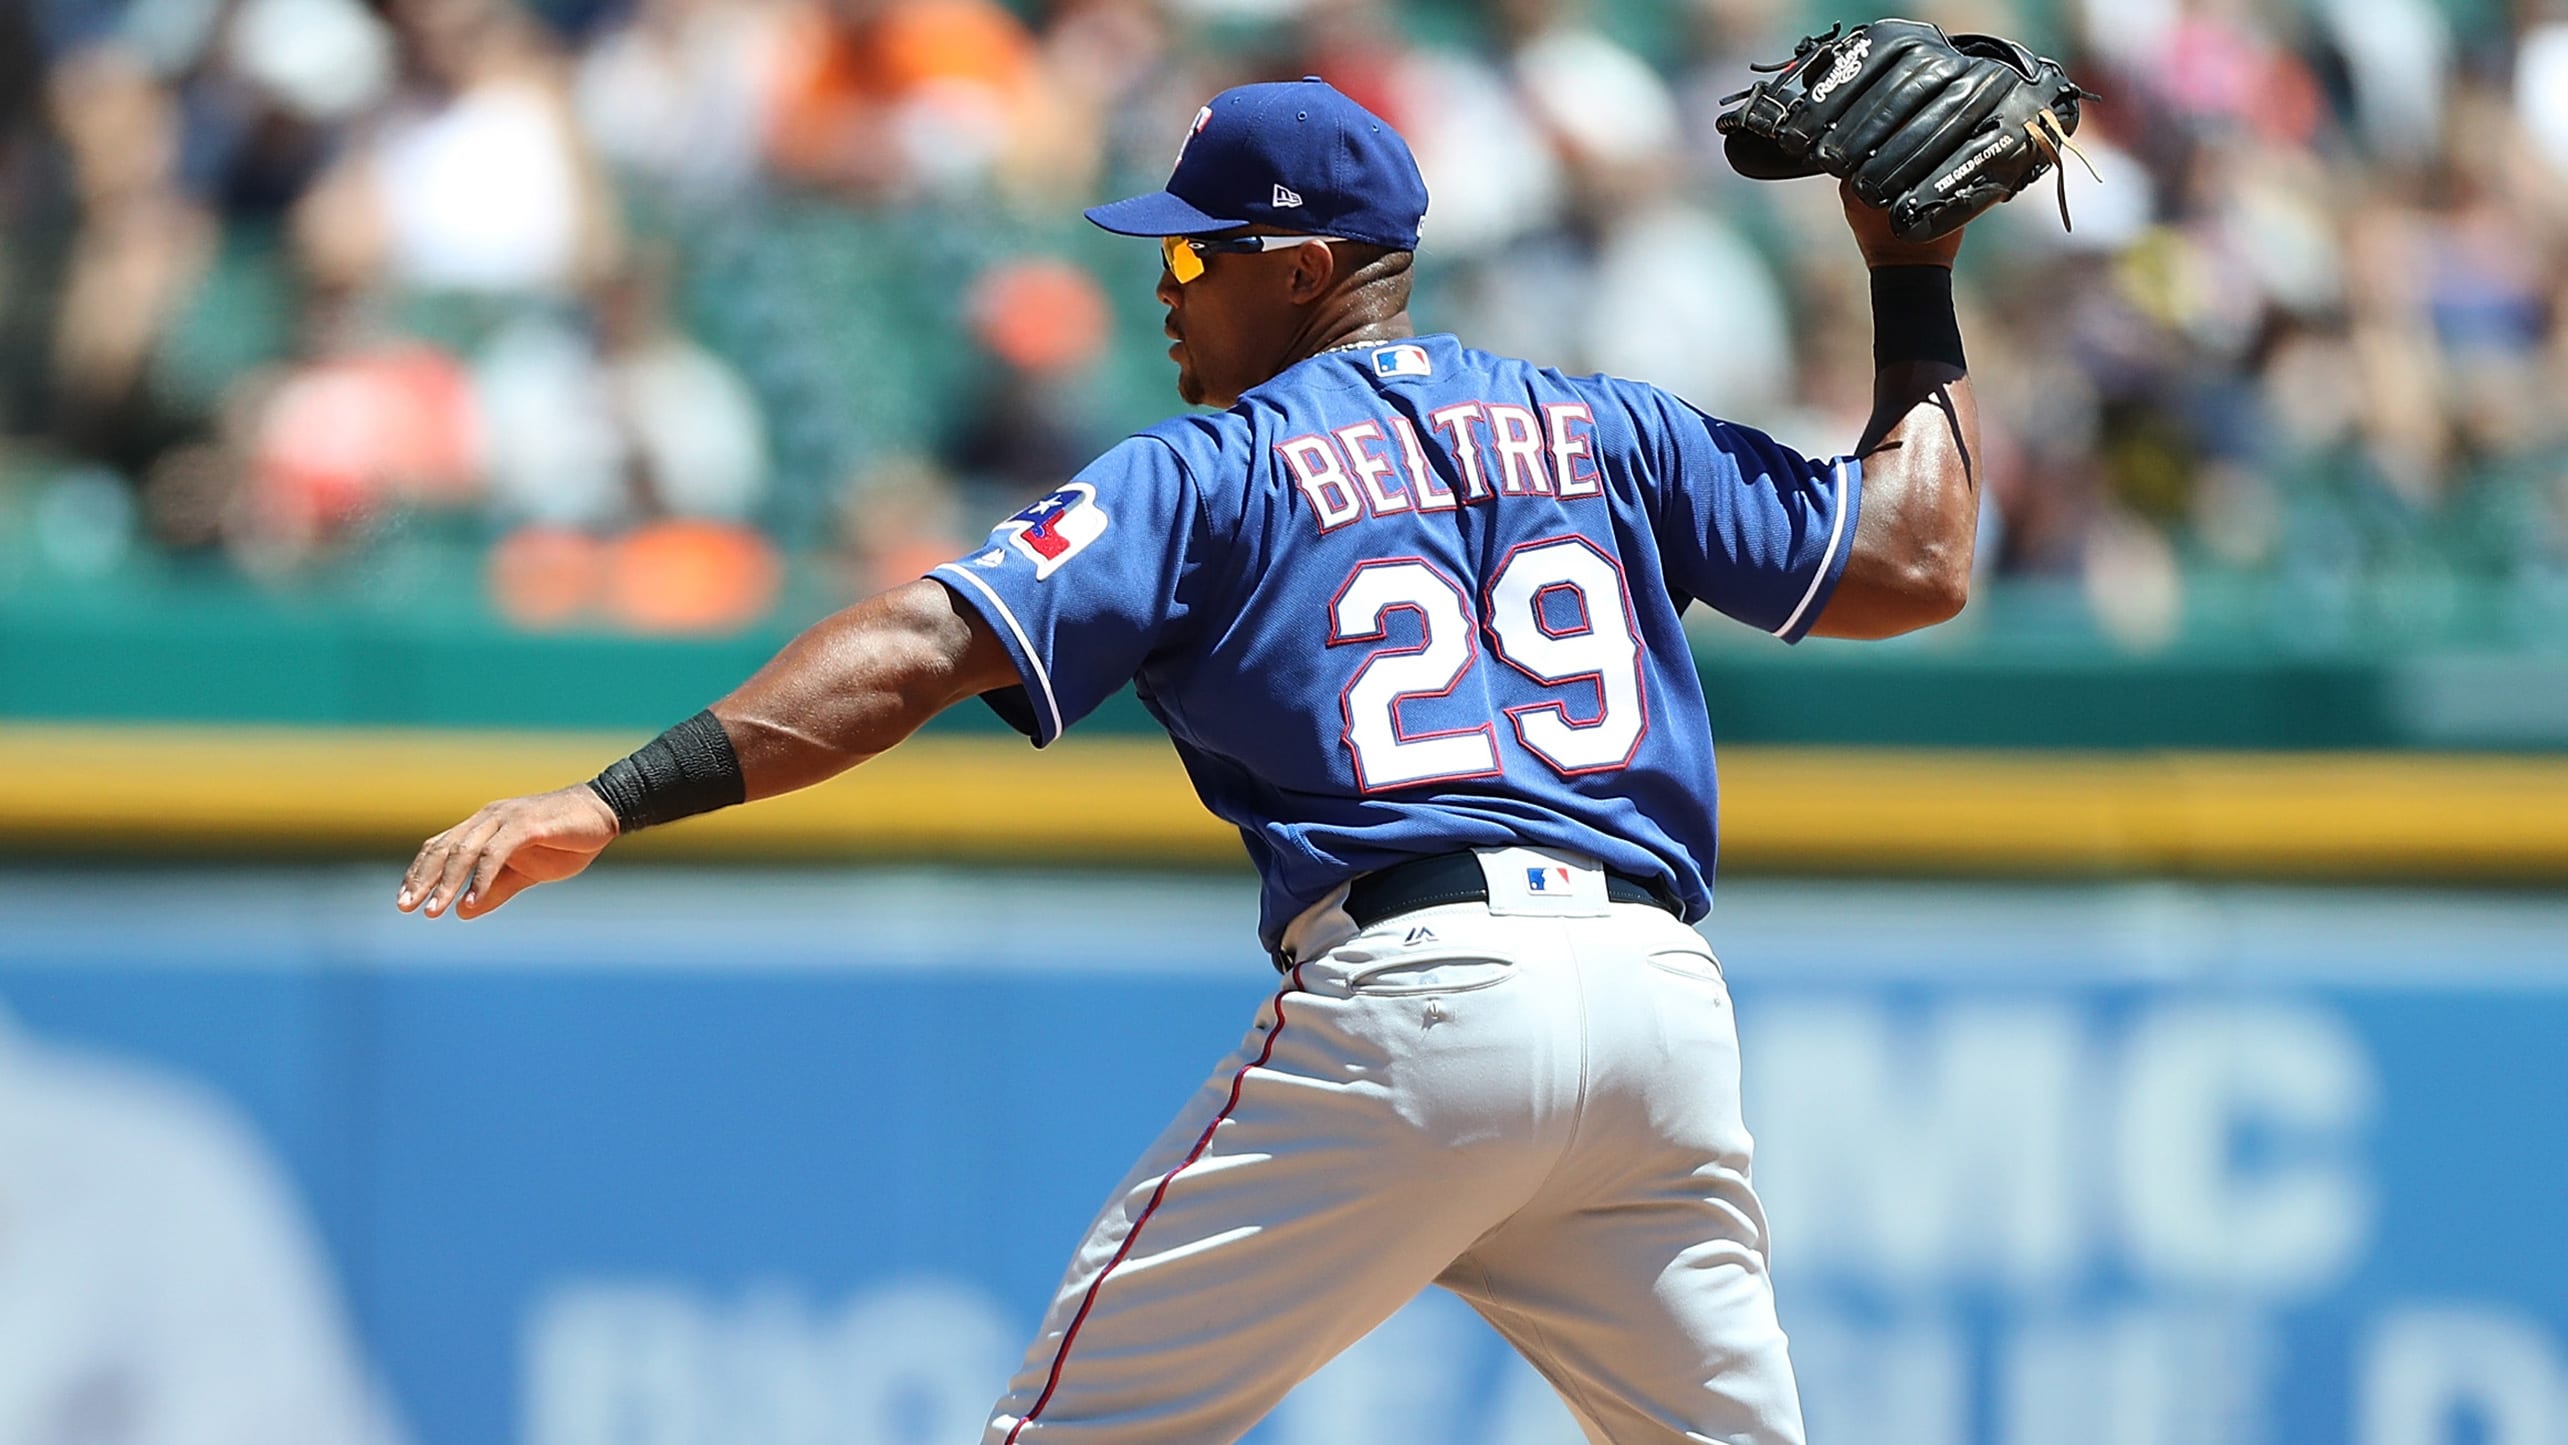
(1202, 117)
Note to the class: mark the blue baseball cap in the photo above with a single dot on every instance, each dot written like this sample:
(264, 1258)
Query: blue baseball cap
(1296, 154)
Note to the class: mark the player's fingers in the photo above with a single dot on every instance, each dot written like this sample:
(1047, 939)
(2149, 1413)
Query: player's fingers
(507, 885)
(424, 866)
(462, 855)
(487, 869)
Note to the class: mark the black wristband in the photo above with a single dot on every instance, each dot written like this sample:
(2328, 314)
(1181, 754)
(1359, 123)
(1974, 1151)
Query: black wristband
(1913, 316)
(687, 770)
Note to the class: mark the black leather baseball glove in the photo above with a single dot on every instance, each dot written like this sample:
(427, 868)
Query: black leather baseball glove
(1933, 128)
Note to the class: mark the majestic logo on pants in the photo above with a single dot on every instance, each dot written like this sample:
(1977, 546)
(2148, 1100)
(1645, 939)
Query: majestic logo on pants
(1053, 530)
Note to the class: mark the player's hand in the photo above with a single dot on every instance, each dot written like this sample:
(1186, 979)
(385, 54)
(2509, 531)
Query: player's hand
(508, 846)
(1882, 247)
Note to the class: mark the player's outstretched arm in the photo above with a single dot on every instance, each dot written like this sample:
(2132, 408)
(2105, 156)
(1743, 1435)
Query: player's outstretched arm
(857, 682)
(851, 686)
(1910, 565)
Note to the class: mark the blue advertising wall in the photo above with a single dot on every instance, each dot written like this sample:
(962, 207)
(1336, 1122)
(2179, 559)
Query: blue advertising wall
(673, 1158)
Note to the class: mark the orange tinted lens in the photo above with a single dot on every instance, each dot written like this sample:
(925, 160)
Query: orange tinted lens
(1184, 261)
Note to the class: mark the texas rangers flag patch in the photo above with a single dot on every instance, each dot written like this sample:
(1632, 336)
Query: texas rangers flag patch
(1402, 361)
(1053, 530)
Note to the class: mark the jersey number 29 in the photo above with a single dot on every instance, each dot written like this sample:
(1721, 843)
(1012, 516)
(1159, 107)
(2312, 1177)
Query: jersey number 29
(1601, 650)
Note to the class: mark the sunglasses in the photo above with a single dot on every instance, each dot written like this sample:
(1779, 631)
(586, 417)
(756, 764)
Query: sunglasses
(1185, 255)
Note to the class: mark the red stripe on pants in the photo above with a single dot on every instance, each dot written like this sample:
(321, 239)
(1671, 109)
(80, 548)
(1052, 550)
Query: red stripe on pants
(1070, 1337)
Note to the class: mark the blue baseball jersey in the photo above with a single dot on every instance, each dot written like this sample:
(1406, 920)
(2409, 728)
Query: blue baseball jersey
(1414, 598)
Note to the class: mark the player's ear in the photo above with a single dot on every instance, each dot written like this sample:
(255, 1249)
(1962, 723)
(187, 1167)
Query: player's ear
(1314, 269)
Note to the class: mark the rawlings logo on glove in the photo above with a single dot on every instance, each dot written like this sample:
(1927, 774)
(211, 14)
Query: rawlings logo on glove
(1932, 128)
(1850, 58)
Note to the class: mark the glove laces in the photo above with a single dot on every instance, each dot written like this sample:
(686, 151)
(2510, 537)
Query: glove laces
(1800, 49)
(2052, 138)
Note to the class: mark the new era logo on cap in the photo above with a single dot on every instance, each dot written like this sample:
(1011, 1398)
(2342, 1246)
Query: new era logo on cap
(1286, 197)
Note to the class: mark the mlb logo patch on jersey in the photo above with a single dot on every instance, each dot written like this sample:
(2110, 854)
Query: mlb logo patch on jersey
(1547, 880)
(1053, 530)
(1402, 361)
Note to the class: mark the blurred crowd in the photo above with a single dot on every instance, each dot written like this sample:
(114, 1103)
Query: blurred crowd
(641, 300)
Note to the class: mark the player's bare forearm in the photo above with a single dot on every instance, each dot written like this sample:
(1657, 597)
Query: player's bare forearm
(858, 682)
(1910, 565)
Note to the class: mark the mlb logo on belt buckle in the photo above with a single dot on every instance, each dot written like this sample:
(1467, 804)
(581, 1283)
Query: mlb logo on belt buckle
(1537, 882)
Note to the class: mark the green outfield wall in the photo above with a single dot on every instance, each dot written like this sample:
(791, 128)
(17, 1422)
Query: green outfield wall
(2022, 669)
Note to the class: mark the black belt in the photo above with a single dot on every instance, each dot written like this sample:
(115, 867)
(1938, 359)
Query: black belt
(1456, 878)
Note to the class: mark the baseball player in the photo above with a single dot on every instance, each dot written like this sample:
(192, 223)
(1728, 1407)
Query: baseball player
(1410, 613)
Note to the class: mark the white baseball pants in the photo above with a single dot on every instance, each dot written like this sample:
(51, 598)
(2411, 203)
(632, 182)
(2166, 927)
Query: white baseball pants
(1533, 1102)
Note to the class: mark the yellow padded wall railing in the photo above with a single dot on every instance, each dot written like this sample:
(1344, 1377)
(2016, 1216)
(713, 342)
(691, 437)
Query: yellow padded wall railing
(215, 792)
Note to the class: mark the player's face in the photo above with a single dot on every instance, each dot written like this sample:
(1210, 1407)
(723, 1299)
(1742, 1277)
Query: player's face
(1232, 324)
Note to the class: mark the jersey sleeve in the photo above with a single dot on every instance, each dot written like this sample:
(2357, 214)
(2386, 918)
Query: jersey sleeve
(1746, 523)
(1085, 584)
